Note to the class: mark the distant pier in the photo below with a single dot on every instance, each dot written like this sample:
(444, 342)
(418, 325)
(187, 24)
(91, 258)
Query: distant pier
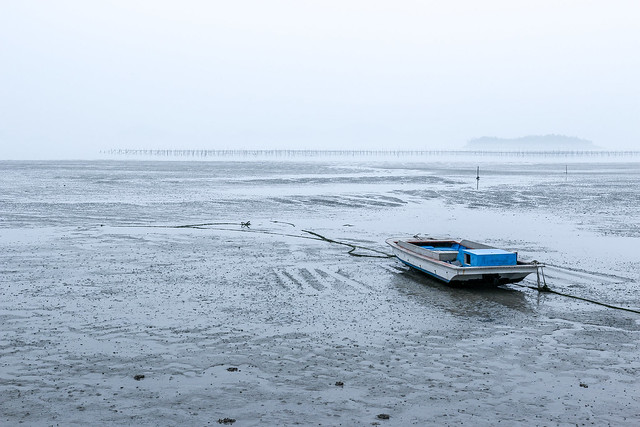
(361, 153)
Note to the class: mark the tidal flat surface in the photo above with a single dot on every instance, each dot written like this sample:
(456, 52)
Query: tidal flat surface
(100, 284)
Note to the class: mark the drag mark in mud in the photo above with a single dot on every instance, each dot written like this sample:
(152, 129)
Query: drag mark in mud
(315, 280)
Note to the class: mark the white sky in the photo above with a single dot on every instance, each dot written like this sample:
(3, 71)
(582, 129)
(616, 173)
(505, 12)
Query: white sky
(80, 76)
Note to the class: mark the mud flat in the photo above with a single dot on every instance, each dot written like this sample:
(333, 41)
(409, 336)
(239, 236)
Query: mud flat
(113, 315)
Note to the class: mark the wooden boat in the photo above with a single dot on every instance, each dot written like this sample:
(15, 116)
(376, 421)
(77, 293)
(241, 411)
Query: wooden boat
(463, 261)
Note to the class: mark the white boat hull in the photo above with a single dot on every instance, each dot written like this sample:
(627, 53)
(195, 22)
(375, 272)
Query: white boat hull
(450, 273)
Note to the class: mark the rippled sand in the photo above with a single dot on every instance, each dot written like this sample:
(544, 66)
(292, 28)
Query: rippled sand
(98, 286)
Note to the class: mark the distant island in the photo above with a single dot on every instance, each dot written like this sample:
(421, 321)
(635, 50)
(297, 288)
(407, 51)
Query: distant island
(531, 143)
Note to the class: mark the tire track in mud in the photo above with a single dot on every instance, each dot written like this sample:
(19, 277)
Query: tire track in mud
(337, 284)
(393, 269)
(277, 279)
(285, 280)
(340, 275)
(303, 279)
(314, 280)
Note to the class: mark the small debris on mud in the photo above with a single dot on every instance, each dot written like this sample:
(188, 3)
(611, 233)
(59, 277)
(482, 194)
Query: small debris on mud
(138, 377)
(583, 385)
(232, 369)
(339, 383)
(383, 416)
(226, 420)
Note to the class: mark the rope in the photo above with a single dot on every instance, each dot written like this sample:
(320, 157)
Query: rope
(542, 287)
(551, 291)
(352, 246)
(243, 224)
(245, 228)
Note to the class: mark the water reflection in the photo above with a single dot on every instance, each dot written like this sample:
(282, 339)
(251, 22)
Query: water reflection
(484, 303)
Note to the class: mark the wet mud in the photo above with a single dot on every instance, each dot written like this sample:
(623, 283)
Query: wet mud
(112, 314)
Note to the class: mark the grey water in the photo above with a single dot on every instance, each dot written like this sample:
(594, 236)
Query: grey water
(100, 282)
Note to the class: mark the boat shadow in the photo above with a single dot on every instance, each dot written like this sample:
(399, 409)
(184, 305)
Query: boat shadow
(484, 302)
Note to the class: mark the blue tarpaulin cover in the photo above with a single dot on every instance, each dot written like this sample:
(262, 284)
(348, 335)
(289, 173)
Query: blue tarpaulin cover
(486, 257)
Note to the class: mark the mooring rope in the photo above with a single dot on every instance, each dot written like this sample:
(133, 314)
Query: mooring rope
(551, 291)
(245, 228)
(544, 288)
(181, 226)
(353, 247)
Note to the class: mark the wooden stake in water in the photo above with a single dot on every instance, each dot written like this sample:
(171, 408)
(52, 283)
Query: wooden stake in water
(478, 178)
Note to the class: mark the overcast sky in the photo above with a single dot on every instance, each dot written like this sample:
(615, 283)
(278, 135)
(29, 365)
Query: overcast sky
(80, 76)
